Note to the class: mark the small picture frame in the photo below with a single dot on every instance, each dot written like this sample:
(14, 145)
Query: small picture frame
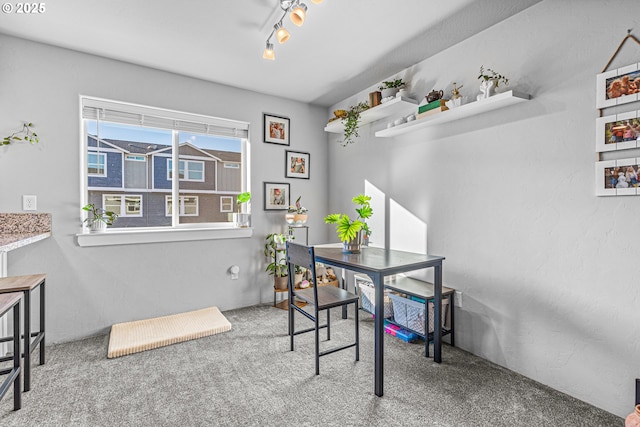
(276, 196)
(618, 86)
(618, 177)
(276, 129)
(297, 164)
(618, 132)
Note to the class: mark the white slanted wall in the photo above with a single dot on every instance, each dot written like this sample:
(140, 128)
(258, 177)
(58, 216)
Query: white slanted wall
(549, 272)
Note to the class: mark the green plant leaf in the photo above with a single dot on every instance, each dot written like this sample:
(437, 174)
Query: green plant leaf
(332, 218)
(361, 199)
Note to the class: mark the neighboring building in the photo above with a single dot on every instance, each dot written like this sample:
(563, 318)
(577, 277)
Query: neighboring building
(134, 180)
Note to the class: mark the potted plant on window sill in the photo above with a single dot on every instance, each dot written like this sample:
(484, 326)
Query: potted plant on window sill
(352, 232)
(275, 249)
(99, 219)
(297, 215)
(242, 219)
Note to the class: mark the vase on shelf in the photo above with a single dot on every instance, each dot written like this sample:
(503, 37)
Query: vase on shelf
(389, 92)
(296, 219)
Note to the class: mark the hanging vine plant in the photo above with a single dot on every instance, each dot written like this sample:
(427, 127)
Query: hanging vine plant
(352, 122)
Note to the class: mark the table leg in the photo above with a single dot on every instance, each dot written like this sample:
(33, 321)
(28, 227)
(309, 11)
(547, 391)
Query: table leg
(437, 314)
(42, 330)
(343, 285)
(378, 282)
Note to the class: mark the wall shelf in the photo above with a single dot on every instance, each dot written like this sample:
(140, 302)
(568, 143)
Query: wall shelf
(499, 100)
(389, 108)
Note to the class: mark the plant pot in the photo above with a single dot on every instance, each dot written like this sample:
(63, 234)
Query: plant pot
(389, 92)
(97, 226)
(298, 279)
(241, 220)
(280, 282)
(353, 246)
(633, 419)
(296, 219)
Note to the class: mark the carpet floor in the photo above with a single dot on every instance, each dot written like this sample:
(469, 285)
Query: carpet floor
(248, 377)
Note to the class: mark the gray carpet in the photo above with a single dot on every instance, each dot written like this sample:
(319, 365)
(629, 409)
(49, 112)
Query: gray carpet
(248, 377)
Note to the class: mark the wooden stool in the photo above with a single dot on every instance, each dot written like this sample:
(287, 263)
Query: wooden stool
(11, 301)
(26, 284)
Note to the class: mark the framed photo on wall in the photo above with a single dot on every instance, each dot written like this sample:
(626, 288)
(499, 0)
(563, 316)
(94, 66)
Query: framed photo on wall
(297, 164)
(276, 196)
(618, 177)
(618, 132)
(618, 86)
(276, 129)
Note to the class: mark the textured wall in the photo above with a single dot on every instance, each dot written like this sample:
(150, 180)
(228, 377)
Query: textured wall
(549, 272)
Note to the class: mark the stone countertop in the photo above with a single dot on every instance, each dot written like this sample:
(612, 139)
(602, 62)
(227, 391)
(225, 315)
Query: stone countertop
(11, 241)
(20, 229)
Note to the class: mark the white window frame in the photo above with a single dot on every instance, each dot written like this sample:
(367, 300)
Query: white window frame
(100, 155)
(135, 158)
(181, 205)
(123, 204)
(127, 113)
(186, 170)
(230, 203)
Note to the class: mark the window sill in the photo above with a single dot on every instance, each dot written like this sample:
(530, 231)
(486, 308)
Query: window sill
(156, 235)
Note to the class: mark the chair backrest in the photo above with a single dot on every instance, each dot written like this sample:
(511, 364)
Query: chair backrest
(302, 256)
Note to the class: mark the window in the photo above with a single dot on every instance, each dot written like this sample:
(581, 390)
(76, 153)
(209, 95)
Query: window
(187, 170)
(188, 206)
(97, 164)
(131, 151)
(226, 204)
(123, 205)
(133, 158)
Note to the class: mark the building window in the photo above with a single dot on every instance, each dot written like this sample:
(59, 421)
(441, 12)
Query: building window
(188, 170)
(188, 206)
(133, 149)
(133, 158)
(124, 205)
(97, 164)
(226, 203)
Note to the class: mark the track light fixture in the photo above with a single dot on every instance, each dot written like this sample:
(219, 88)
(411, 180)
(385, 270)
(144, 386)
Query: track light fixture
(297, 13)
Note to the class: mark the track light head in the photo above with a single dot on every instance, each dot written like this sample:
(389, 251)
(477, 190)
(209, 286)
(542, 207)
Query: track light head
(298, 14)
(269, 53)
(281, 33)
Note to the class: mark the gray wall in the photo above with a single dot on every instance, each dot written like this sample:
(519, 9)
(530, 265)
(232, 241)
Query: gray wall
(89, 289)
(549, 272)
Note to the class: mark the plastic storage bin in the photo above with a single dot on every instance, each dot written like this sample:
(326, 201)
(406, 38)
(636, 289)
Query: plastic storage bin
(410, 314)
(368, 294)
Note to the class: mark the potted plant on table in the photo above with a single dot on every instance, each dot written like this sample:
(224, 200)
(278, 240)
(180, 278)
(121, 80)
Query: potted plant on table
(351, 231)
(275, 249)
(99, 219)
(240, 218)
(352, 122)
(391, 88)
(297, 215)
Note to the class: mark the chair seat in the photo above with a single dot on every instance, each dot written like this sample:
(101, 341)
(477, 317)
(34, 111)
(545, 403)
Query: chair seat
(328, 296)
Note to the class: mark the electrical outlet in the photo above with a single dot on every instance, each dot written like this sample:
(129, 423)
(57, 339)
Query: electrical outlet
(458, 301)
(29, 203)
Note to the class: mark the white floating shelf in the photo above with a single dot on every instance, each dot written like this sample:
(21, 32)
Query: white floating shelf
(389, 108)
(499, 100)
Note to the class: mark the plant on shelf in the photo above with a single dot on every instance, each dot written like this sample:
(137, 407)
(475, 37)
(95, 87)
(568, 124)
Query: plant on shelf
(296, 215)
(391, 87)
(490, 75)
(25, 134)
(242, 219)
(352, 122)
(275, 249)
(350, 231)
(99, 218)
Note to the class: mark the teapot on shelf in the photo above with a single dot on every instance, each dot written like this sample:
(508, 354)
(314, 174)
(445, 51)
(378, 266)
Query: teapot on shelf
(434, 95)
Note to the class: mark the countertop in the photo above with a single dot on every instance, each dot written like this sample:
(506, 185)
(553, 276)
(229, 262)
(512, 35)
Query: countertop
(21, 229)
(11, 241)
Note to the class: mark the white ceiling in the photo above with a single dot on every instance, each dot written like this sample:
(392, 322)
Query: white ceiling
(343, 47)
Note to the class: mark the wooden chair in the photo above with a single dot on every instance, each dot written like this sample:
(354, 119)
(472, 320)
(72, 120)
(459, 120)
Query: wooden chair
(320, 298)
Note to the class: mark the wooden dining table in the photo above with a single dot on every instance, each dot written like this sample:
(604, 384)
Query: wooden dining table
(378, 263)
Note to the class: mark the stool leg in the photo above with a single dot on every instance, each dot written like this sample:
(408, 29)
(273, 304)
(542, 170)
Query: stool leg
(42, 306)
(27, 340)
(17, 392)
